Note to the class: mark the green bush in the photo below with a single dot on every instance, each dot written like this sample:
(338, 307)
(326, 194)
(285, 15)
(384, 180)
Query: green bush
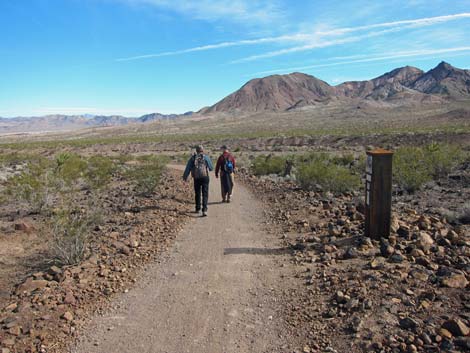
(16, 158)
(410, 170)
(146, 175)
(34, 185)
(69, 168)
(312, 157)
(265, 165)
(346, 159)
(71, 229)
(100, 170)
(442, 159)
(414, 166)
(331, 177)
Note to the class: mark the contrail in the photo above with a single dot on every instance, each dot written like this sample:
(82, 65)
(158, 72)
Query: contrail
(378, 57)
(302, 37)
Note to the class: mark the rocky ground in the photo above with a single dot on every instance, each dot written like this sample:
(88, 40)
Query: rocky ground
(352, 294)
(43, 312)
(407, 293)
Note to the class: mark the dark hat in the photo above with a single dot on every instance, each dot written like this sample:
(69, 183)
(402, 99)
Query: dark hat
(224, 147)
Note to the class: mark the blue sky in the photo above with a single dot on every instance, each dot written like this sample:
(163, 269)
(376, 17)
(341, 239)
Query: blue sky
(133, 57)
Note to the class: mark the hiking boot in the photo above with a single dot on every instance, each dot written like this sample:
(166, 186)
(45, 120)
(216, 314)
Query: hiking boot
(204, 213)
(196, 211)
(228, 200)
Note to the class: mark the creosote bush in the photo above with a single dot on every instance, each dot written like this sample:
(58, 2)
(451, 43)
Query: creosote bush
(146, 174)
(266, 165)
(336, 173)
(55, 187)
(71, 229)
(410, 170)
(100, 171)
(442, 159)
(329, 174)
(35, 185)
(414, 166)
(69, 168)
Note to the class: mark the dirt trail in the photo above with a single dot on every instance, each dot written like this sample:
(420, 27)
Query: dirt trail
(213, 293)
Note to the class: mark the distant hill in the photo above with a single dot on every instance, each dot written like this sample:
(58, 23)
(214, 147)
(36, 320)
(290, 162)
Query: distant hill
(405, 85)
(446, 80)
(59, 122)
(277, 92)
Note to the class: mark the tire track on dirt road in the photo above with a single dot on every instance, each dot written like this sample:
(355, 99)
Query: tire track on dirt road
(213, 293)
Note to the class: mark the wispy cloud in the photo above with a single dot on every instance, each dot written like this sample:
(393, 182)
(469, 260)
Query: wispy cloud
(428, 21)
(245, 11)
(316, 45)
(306, 41)
(392, 27)
(346, 60)
(278, 39)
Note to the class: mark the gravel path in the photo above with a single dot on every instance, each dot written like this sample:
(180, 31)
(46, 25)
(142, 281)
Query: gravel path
(214, 293)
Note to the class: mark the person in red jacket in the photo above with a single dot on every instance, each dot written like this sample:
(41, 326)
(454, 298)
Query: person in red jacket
(225, 167)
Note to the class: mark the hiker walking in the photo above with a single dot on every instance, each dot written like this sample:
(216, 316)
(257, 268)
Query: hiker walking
(199, 166)
(226, 167)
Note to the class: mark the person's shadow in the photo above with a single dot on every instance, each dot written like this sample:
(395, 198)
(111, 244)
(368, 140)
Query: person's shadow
(257, 251)
(215, 203)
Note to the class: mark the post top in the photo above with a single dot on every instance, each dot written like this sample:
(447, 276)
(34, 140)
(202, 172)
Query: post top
(379, 152)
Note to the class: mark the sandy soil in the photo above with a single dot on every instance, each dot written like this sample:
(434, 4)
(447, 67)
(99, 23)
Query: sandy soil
(214, 292)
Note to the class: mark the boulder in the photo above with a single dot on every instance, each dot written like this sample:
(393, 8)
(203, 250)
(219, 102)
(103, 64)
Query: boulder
(455, 281)
(424, 241)
(31, 285)
(408, 323)
(386, 249)
(456, 327)
(68, 316)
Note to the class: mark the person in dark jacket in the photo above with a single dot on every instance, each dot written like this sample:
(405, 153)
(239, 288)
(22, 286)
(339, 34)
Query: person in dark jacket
(199, 166)
(225, 168)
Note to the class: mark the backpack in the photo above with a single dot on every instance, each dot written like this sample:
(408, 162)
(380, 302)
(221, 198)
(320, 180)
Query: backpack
(200, 169)
(228, 165)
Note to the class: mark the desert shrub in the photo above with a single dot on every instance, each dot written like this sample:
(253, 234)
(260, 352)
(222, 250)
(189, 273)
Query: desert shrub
(123, 159)
(358, 166)
(71, 229)
(316, 157)
(181, 158)
(146, 175)
(69, 168)
(16, 158)
(329, 176)
(410, 170)
(414, 166)
(34, 185)
(442, 159)
(265, 165)
(346, 159)
(100, 170)
(449, 215)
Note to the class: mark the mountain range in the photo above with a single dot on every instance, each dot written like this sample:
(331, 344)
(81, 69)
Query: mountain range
(405, 85)
(59, 122)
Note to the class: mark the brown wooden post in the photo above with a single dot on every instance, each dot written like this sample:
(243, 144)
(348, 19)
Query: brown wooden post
(378, 193)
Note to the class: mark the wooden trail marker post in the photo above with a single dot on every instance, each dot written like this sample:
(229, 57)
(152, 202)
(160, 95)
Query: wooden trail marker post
(378, 193)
